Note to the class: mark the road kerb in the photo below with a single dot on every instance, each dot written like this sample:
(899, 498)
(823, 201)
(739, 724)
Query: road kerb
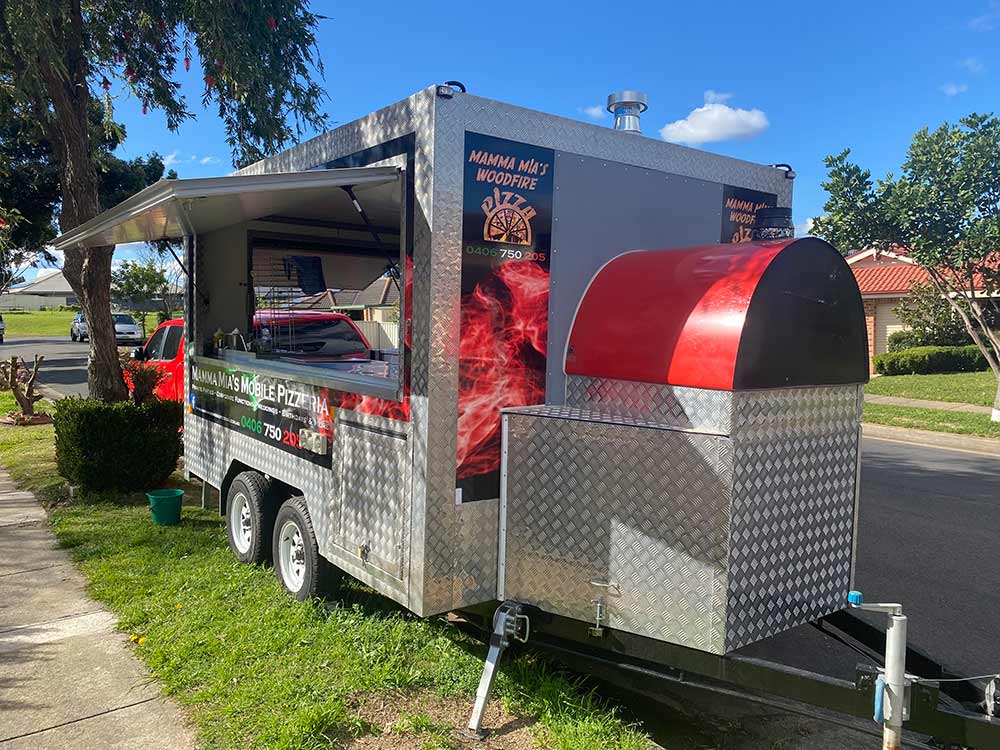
(948, 440)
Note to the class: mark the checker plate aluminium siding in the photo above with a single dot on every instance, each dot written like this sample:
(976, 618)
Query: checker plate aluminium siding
(708, 541)
(796, 454)
(374, 473)
(643, 509)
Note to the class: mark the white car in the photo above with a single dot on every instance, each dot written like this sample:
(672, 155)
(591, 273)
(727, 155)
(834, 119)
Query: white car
(127, 331)
(78, 328)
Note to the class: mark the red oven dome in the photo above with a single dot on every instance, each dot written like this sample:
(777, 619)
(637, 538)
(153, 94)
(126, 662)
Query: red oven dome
(770, 314)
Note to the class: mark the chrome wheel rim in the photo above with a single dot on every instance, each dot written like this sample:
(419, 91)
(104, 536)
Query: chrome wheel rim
(241, 523)
(292, 555)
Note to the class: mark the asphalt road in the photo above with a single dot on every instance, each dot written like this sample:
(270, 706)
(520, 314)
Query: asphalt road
(929, 533)
(65, 365)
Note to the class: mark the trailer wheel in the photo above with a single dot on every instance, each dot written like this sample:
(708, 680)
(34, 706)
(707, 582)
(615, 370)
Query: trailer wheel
(249, 518)
(299, 567)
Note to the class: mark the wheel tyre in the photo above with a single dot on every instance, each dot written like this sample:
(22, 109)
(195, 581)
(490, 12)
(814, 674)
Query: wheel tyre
(298, 566)
(72, 336)
(250, 511)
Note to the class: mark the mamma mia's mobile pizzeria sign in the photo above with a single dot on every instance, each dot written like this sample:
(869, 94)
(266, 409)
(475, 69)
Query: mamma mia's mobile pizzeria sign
(506, 242)
(267, 408)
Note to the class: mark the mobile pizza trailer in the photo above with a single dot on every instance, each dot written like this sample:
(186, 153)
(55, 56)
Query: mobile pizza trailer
(640, 451)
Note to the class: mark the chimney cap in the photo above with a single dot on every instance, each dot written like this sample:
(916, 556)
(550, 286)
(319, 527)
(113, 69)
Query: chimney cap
(625, 98)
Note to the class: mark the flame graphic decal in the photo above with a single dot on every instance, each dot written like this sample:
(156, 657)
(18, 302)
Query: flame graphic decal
(502, 358)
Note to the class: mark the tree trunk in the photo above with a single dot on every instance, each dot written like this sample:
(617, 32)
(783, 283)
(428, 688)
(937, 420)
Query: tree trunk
(88, 271)
(91, 280)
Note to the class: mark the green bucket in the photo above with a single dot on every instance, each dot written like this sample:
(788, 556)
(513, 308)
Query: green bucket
(166, 506)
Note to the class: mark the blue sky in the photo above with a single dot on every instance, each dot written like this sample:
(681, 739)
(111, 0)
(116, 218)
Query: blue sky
(787, 81)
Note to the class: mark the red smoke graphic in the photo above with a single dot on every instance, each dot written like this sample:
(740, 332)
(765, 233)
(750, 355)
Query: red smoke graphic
(501, 358)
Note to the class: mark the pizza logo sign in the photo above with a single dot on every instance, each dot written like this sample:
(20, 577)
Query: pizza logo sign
(508, 218)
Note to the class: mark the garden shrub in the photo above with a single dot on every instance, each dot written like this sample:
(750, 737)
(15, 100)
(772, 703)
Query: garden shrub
(121, 446)
(905, 339)
(924, 360)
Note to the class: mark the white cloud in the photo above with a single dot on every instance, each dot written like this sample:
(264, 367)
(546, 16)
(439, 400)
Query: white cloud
(172, 159)
(803, 229)
(595, 112)
(715, 121)
(972, 64)
(953, 89)
(716, 97)
(989, 20)
(207, 160)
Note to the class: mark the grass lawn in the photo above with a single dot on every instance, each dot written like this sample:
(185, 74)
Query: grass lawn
(932, 419)
(978, 388)
(255, 668)
(38, 323)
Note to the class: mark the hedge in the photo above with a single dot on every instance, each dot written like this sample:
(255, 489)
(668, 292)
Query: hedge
(121, 446)
(924, 360)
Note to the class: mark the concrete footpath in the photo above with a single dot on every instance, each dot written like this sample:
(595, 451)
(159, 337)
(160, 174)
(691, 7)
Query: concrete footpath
(68, 678)
(919, 403)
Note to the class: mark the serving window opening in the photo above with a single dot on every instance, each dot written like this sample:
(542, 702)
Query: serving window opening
(313, 290)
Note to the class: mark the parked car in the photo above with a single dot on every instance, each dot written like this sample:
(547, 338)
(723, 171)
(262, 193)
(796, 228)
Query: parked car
(3, 327)
(78, 328)
(165, 350)
(327, 335)
(127, 331)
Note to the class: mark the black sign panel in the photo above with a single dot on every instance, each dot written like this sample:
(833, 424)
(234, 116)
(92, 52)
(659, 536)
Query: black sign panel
(506, 241)
(739, 209)
(271, 409)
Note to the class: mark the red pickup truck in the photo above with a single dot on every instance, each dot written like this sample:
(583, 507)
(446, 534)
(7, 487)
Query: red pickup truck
(328, 335)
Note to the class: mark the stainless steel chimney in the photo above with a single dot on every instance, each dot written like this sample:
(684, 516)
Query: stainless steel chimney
(626, 106)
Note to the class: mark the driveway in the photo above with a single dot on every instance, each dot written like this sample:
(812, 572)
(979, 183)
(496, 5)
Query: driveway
(65, 365)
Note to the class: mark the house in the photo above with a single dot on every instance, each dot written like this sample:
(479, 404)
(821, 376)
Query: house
(48, 289)
(378, 301)
(884, 278)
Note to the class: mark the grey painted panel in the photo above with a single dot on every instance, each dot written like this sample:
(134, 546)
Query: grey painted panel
(602, 209)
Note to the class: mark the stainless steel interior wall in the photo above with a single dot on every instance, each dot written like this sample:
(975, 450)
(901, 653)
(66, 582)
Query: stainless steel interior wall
(604, 208)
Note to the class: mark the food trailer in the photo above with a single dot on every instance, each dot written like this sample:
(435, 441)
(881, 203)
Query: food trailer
(634, 448)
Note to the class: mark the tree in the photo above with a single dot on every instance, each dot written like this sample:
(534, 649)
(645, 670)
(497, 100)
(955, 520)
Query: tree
(13, 262)
(258, 61)
(137, 286)
(29, 182)
(931, 318)
(943, 210)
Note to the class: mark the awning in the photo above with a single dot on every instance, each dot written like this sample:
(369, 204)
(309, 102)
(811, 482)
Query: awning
(171, 209)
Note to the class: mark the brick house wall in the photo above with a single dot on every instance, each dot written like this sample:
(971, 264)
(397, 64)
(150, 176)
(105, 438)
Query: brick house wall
(870, 307)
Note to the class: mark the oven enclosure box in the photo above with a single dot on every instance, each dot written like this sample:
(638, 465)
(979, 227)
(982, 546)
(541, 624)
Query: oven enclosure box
(705, 493)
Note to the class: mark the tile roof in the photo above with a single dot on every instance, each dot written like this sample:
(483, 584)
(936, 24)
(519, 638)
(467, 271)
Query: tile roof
(894, 279)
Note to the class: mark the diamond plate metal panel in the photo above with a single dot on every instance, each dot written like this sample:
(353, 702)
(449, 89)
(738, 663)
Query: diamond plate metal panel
(675, 406)
(373, 470)
(645, 510)
(793, 517)
(766, 517)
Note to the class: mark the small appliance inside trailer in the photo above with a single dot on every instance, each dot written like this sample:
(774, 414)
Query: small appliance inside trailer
(643, 453)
